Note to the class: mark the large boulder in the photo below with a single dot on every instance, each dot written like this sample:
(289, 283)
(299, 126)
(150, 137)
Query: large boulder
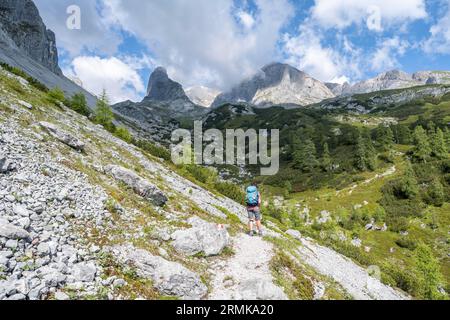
(84, 272)
(203, 237)
(261, 289)
(169, 278)
(63, 136)
(139, 185)
(10, 231)
(6, 165)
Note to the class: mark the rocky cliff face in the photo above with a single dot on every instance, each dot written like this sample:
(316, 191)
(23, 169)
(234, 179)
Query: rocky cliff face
(26, 43)
(165, 101)
(162, 88)
(277, 84)
(21, 21)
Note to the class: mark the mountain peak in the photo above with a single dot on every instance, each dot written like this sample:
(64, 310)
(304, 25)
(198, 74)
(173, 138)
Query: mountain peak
(162, 88)
(277, 83)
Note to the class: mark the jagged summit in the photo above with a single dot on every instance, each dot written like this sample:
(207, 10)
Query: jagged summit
(162, 88)
(277, 83)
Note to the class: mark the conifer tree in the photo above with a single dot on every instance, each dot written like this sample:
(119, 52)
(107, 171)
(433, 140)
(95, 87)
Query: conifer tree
(360, 155)
(428, 272)
(103, 114)
(438, 145)
(384, 137)
(409, 187)
(326, 158)
(305, 157)
(422, 149)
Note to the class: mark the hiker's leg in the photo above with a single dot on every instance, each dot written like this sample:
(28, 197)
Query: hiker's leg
(258, 220)
(251, 220)
(250, 225)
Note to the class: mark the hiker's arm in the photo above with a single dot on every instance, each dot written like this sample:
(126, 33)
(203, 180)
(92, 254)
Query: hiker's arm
(259, 199)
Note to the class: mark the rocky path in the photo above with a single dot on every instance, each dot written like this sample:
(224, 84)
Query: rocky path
(246, 275)
(352, 277)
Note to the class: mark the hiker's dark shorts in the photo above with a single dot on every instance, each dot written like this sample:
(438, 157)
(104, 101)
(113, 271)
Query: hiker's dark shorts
(254, 213)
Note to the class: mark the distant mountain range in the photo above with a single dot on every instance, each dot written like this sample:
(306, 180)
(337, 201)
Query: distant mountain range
(26, 43)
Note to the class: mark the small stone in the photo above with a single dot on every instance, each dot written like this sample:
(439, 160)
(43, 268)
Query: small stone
(12, 244)
(43, 249)
(21, 211)
(84, 272)
(24, 222)
(61, 296)
(119, 283)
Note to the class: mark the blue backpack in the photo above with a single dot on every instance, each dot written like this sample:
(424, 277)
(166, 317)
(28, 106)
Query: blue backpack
(252, 197)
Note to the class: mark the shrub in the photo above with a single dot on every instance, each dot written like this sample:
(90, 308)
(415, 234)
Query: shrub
(397, 224)
(407, 243)
(56, 95)
(124, 134)
(435, 194)
(18, 72)
(78, 104)
(154, 150)
(230, 190)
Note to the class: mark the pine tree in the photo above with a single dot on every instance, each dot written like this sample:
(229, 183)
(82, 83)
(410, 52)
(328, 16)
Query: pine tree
(422, 149)
(326, 158)
(438, 145)
(428, 272)
(447, 138)
(305, 157)
(402, 134)
(431, 128)
(409, 187)
(103, 112)
(436, 194)
(384, 137)
(360, 154)
(371, 152)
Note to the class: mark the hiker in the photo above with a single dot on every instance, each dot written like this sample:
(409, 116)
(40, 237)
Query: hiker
(253, 201)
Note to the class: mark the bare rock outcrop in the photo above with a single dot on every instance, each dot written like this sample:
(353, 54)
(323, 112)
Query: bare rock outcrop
(141, 186)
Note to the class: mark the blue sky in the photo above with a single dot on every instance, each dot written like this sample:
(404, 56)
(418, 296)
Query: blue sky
(218, 43)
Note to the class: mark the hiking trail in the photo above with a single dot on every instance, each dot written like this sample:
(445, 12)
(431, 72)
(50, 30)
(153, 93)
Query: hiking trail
(246, 275)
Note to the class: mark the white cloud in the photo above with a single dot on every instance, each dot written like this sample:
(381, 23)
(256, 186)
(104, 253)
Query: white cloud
(375, 14)
(246, 19)
(340, 80)
(96, 33)
(385, 57)
(120, 80)
(307, 52)
(202, 42)
(439, 41)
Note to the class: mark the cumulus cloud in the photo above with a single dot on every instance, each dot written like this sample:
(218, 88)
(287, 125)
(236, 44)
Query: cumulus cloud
(387, 53)
(307, 52)
(120, 80)
(97, 33)
(376, 15)
(439, 41)
(202, 42)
